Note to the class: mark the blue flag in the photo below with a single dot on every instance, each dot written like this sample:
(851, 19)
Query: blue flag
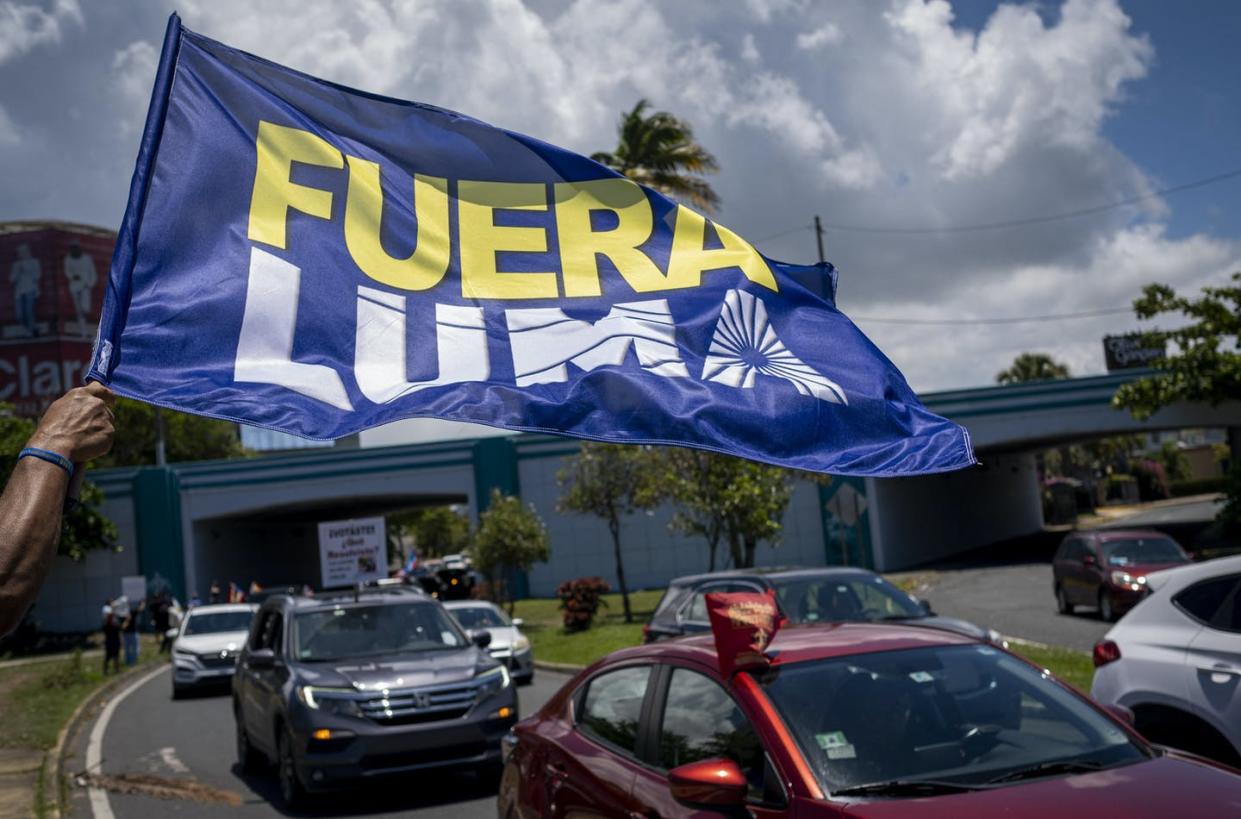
(314, 259)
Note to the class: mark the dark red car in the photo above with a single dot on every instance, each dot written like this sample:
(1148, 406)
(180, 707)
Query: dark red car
(850, 720)
(1106, 569)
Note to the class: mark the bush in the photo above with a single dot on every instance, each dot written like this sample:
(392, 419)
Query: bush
(580, 599)
(1198, 486)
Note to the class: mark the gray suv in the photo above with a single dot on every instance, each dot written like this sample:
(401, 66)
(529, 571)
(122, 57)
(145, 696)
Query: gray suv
(339, 689)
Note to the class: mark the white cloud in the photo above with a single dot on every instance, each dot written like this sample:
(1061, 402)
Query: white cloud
(749, 49)
(24, 28)
(824, 35)
(134, 69)
(9, 135)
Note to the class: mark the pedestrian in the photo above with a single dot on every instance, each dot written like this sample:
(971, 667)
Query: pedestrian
(111, 638)
(76, 428)
(195, 600)
(213, 594)
(160, 615)
(129, 633)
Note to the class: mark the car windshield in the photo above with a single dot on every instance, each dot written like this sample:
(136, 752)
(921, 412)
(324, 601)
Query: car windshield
(844, 598)
(213, 622)
(363, 630)
(1134, 551)
(967, 715)
(480, 617)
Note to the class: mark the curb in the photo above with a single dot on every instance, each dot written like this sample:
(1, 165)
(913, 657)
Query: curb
(564, 668)
(53, 760)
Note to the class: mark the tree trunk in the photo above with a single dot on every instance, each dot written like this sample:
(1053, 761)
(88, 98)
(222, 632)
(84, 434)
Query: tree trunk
(734, 549)
(751, 546)
(614, 528)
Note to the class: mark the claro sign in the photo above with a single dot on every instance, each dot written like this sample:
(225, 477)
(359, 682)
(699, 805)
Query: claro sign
(1128, 352)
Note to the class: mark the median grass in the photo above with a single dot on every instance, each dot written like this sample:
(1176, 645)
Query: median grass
(551, 643)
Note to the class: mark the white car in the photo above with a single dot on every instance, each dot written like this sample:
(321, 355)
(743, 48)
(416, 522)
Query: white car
(1175, 660)
(207, 643)
(508, 644)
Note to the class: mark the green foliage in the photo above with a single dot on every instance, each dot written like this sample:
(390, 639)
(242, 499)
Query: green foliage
(659, 151)
(1175, 463)
(1199, 486)
(435, 531)
(580, 599)
(610, 481)
(1205, 363)
(186, 437)
(85, 527)
(1032, 367)
(510, 537)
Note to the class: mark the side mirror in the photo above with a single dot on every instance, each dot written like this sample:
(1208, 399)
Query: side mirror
(518, 622)
(481, 638)
(261, 658)
(1090, 560)
(171, 633)
(925, 605)
(712, 784)
(1122, 713)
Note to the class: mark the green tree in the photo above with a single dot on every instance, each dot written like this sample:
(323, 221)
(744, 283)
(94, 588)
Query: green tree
(434, 531)
(1032, 367)
(1204, 364)
(510, 537)
(1175, 463)
(658, 150)
(85, 527)
(610, 481)
(186, 437)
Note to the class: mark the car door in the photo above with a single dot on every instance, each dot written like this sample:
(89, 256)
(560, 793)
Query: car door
(1213, 662)
(590, 768)
(692, 618)
(694, 718)
(266, 684)
(245, 678)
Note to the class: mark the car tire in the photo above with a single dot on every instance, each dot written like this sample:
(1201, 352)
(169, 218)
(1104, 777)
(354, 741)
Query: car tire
(247, 756)
(1062, 601)
(177, 692)
(292, 792)
(1107, 613)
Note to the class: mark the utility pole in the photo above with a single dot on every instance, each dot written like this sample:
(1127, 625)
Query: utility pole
(818, 235)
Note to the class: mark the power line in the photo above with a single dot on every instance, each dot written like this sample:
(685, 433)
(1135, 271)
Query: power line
(782, 233)
(1110, 311)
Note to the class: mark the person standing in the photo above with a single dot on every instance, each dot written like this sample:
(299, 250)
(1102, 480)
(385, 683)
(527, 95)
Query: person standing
(80, 271)
(111, 638)
(24, 276)
(129, 633)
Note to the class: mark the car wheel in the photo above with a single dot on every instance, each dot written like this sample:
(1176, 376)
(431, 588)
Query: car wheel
(1062, 601)
(177, 693)
(1106, 613)
(292, 793)
(247, 756)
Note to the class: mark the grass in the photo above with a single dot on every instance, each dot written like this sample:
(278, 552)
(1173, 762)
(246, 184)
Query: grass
(1073, 667)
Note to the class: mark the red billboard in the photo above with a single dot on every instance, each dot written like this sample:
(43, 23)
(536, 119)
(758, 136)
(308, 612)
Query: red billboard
(52, 280)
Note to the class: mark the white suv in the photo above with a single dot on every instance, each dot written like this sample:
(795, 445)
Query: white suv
(1175, 660)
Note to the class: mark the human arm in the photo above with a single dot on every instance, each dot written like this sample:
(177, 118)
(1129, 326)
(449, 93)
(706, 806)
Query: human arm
(78, 426)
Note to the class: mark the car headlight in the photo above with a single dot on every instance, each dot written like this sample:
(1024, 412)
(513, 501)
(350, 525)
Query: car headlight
(329, 700)
(187, 656)
(492, 681)
(1122, 578)
(521, 643)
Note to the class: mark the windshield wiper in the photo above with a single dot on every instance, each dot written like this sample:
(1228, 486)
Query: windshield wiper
(907, 787)
(1049, 769)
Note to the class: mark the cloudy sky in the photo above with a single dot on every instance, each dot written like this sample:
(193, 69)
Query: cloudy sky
(915, 120)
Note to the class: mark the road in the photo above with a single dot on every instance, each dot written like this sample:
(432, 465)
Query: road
(1170, 513)
(191, 740)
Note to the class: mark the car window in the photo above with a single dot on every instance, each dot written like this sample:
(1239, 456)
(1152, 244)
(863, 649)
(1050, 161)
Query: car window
(1138, 550)
(845, 597)
(613, 706)
(217, 622)
(701, 721)
(697, 610)
(362, 630)
(1209, 602)
(1067, 549)
(259, 632)
(480, 617)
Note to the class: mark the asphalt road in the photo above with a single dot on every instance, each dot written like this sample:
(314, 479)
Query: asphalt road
(191, 740)
(1169, 514)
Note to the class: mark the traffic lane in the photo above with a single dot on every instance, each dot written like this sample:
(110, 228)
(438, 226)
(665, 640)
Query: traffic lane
(192, 740)
(1169, 514)
(1014, 600)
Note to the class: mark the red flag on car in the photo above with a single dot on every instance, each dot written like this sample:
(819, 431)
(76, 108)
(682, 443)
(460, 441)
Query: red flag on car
(744, 624)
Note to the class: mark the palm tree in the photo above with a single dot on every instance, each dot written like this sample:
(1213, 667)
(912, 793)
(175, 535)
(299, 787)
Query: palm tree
(659, 151)
(1032, 367)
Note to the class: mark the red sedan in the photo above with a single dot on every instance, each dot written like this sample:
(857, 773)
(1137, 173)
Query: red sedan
(850, 720)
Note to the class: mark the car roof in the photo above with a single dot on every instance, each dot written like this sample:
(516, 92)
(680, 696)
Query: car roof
(221, 608)
(469, 604)
(801, 643)
(387, 595)
(769, 573)
(1121, 534)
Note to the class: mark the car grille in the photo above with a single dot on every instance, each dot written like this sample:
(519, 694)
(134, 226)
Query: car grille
(441, 755)
(411, 706)
(218, 659)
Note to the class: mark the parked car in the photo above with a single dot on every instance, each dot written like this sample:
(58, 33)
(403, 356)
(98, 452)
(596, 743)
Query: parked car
(851, 720)
(1175, 660)
(1107, 569)
(206, 645)
(343, 687)
(508, 644)
(805, 596)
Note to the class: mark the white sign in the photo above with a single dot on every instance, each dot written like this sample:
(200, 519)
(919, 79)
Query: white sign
(352, 551)
(135, 588)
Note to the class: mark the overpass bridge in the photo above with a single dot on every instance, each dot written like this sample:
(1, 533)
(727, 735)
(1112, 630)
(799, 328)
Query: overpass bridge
(256, 518)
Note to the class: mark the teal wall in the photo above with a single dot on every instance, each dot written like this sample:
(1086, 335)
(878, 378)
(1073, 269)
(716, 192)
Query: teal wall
(157, 518)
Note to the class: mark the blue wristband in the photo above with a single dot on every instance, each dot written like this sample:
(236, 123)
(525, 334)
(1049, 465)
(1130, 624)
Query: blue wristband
(49, 456)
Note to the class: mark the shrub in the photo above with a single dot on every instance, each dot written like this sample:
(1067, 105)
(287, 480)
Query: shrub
(1199, 486)
(580, 599)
